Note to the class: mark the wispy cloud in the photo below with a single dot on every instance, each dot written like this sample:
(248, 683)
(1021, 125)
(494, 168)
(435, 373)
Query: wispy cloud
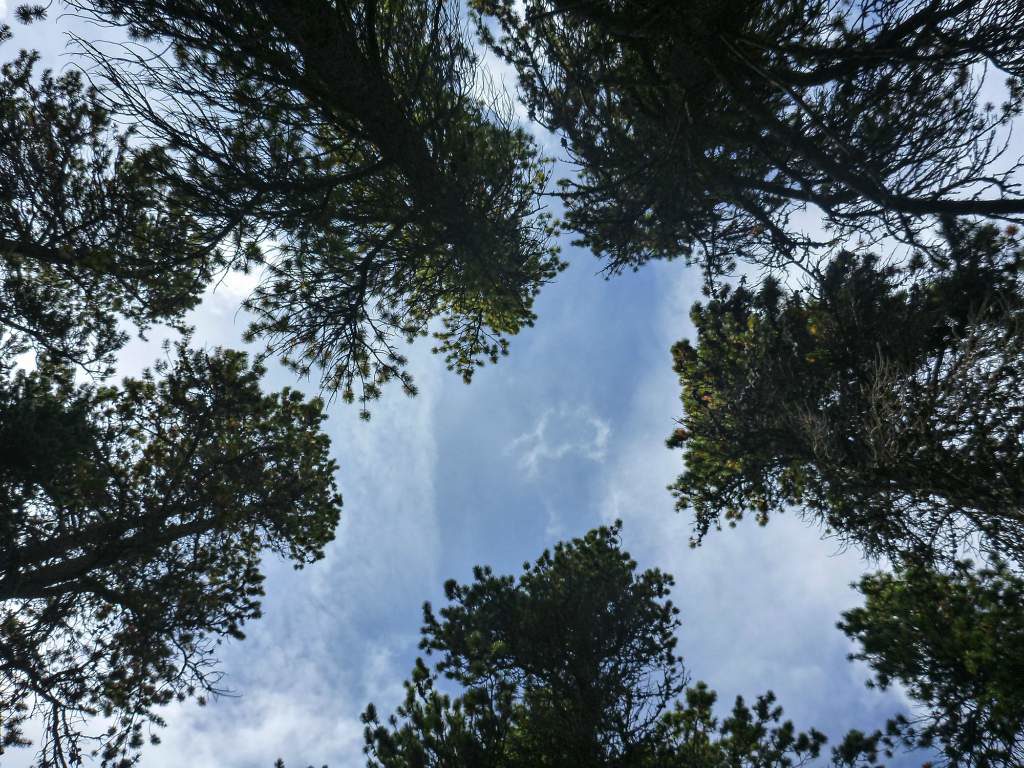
(561, 432)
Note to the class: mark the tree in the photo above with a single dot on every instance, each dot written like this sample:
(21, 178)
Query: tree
(953, 640)
(591, 693)
(574, 663)
(132, 523)
(885, 402)
(88, 231)
(354, 148)
(132, 519)
(699, 128)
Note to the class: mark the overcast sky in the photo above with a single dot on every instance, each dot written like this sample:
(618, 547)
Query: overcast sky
(565, 434)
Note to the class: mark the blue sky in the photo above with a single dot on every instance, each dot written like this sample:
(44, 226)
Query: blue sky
(565, 434)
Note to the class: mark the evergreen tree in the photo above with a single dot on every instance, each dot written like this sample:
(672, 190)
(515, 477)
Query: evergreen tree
(883, 401)
(132, 522)
(356, 149)
(574, 663)
(952, 640)
(132, 518)
(88, 231)
(699, 128)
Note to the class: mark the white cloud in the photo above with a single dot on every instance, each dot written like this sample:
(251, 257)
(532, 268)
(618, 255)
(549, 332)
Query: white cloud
(555, 528)
(561, 432)
(302, 725)
(227, 293)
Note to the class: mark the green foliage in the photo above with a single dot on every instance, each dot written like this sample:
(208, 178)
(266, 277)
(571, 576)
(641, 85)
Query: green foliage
(749, 737)
(88, 232)
(574, 663)
(699, 128)
(591, 690)
(132, 519)
(430, 728)
(953, 641)
(132, 522)
(885, 402)
(355, 149)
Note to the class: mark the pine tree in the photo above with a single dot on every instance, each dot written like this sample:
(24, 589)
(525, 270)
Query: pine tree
(952, 639)
(132, 523)
(700, 128)
(355, 149)
(574, 663)
(884, 402)
(89, 233)
(133, 517)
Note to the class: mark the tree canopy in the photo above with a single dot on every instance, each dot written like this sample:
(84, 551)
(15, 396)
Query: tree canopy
(907, 443)
(574, 663)
(699, 128)
(132, 522)
(133, 517)
(89, 233)
(953, 640)
(355, 151)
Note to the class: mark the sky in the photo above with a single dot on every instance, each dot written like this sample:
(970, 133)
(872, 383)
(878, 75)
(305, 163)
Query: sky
(565, 434)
